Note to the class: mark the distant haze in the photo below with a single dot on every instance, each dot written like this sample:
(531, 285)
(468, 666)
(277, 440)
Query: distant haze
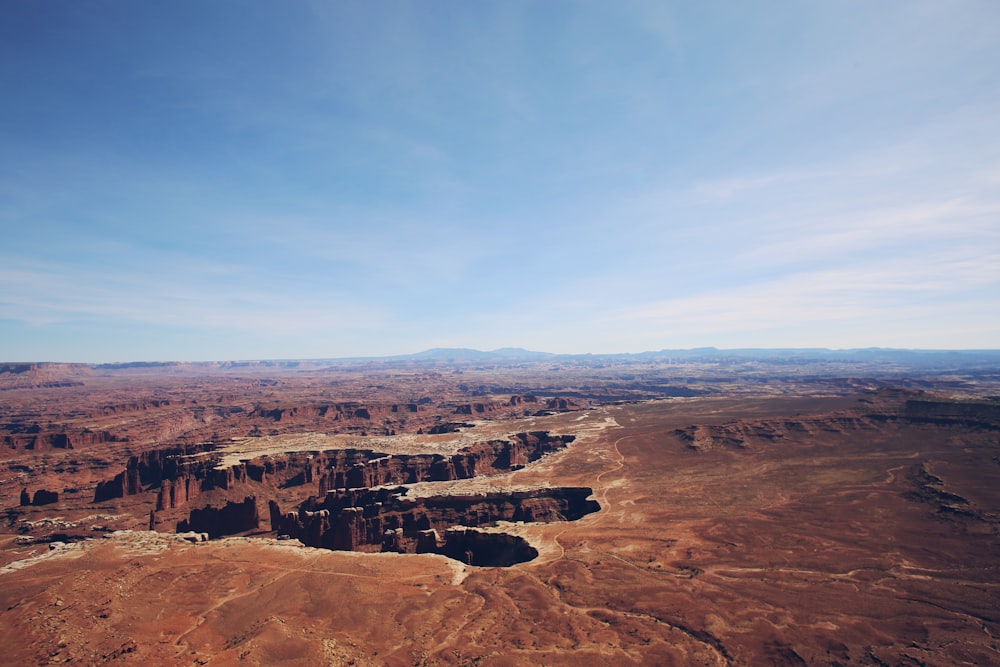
(292, 180)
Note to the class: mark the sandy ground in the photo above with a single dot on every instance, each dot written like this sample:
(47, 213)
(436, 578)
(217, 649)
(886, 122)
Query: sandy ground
(732, 532)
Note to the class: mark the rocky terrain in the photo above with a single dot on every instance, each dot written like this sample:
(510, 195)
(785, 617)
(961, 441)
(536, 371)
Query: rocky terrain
(473, 511)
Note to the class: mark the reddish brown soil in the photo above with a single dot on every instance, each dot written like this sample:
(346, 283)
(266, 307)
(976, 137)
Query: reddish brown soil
(747, 530)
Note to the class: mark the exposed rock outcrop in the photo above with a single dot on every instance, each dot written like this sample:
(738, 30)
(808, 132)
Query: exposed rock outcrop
(230, 519)
(487, 407)
(448, 427)
(333, 411)
(45, 497)
(32, 440)
(385, 518)
(152, 467)
(475, 547)
(937, 411)
(482, 458)
(181, 473)
(356, 509)
(41, 497)
(741, 434)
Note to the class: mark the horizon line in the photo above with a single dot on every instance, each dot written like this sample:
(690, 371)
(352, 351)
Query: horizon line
(440, 353)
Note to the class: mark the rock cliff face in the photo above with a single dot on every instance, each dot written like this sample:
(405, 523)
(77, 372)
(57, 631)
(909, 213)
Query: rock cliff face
(330, 411)
(32, 439)
(181, 473)
(983, 413)
(475, 547)
(745, 434)
(45, 497)
(229, 519)
(386, 519)
(42, 375)
(152, 467)
(41, 497)
(448, 427)
(517, 401)
(355, 509)
(482, 458)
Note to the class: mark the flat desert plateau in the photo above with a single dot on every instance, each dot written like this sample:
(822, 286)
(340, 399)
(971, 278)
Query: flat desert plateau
(796, 521)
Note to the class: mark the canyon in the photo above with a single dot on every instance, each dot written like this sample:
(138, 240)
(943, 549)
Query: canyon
(686, 509)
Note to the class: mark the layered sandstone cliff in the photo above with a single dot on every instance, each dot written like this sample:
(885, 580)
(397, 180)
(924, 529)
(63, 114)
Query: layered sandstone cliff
(387, 519)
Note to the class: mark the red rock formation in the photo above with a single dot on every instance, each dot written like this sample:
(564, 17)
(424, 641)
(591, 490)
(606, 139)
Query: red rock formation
(332, 411)
(938, 411)
(560, 404)
(31, 440)
(742, 434)
(474, 547)
(138, 406)
(42, 375)
(180, 474)
(353, 519)
(110, 489)
(45, 497)
(491, 456)
(230, 519)
(151, 468)
(392, 541)
(428, 541)
(177, 492)
(447, 427)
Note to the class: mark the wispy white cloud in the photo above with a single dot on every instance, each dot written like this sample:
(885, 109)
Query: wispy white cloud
(890, 231)
(835, 307)
(184, 297)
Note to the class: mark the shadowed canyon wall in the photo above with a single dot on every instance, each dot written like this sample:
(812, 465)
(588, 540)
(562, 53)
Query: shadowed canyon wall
(386, 519)
(353, 509)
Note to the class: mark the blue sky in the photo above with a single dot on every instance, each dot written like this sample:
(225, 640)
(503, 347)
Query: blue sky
(234, 180)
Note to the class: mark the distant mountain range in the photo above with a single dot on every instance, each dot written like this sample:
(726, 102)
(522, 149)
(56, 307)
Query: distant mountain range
(469, 354)
(903, 357)
(870, 354)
